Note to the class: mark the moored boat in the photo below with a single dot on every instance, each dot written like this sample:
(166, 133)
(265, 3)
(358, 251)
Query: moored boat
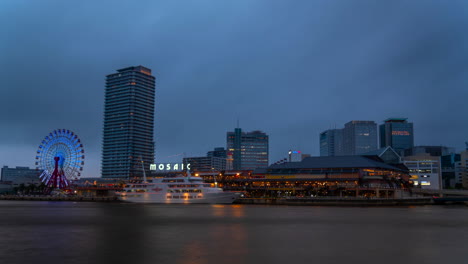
(176, 190)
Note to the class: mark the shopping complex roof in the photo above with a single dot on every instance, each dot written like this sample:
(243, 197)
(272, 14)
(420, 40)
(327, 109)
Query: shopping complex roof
(336, 162)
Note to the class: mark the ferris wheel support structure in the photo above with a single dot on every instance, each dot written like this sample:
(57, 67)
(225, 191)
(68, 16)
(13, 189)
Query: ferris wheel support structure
(60, 157)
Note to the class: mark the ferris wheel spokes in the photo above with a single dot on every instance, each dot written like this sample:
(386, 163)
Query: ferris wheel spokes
(60, 156)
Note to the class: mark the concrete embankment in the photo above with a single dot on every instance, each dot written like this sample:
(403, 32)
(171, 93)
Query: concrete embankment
(336, 201)
(58, 198)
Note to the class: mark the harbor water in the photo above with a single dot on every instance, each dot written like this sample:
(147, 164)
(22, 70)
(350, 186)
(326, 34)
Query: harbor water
(74, 232)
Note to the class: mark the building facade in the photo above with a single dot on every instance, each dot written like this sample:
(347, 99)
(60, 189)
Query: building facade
(464, 168)
(452, 170)
(217, 152)
(431, 150)
(128, 123)
(247, 150)
(340, 176)
(425, 171)
(20, 175)
(397, 133)
(331, 142)
(206, 163)
(359, 137)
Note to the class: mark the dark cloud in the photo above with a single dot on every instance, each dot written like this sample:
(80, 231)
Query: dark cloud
(289, 68)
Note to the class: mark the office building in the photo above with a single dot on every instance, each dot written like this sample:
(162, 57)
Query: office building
(359, 137)
(20, 175)
(425, 171)
(452, 170)
(217, 152)
(397, 133)
(431, 150)
(128, 123)
(198, 164)
(247, 150)
(331, 142)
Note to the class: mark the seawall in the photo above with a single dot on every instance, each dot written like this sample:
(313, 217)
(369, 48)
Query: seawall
(58, 198)
(337, 201)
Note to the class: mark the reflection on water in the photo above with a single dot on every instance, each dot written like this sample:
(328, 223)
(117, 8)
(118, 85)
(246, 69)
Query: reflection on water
(65, 232)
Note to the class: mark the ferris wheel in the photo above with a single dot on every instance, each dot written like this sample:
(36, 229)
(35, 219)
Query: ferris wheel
(60, 157)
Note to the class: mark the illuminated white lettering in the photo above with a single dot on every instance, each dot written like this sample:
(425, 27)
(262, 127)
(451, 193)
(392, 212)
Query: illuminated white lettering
(188, 166)
(161, 166)
(152, 166)
(176, 166)
(168, 166)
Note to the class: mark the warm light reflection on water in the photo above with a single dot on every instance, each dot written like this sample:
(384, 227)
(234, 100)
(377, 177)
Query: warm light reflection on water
(205, 234)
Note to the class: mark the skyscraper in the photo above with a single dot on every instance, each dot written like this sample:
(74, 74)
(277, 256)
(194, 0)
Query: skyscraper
(359, 137)
(397, 133)
(249, 149)
(331, 142)
(128, 123)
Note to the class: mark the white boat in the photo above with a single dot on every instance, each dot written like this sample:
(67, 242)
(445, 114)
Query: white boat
(176, 190)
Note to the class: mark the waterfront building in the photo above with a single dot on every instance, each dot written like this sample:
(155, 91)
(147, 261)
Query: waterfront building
(20, 175)
(331, 142)
(206, 163)
(247, 150)
(128, 123)
(397, 133)
(359, 137)
(328, 176)
(425, 171)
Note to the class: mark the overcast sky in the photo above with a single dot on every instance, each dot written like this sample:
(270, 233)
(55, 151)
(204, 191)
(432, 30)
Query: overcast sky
(289, 68)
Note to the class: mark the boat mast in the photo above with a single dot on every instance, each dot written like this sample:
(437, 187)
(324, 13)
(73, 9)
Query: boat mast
(143, 168)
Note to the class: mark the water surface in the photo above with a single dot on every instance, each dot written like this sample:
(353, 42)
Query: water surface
(70, 232)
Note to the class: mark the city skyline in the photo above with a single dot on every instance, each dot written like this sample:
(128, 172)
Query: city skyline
(284, 74)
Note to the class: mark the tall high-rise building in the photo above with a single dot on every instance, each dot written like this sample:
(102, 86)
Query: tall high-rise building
(249, 150)
(359, 137)
(128, 123)
(397, 133)
(331, 142)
